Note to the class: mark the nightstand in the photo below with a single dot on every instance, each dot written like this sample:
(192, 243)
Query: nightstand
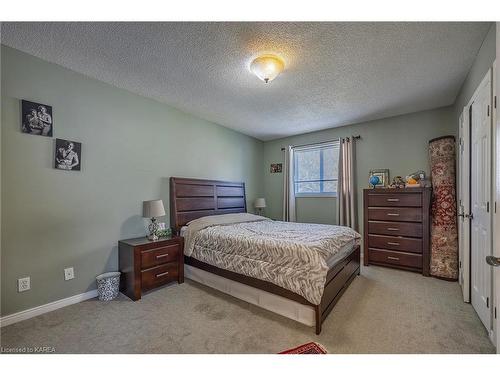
(146, 264)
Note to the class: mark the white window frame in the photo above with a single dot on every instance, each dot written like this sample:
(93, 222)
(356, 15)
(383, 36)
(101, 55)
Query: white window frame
(312, 147)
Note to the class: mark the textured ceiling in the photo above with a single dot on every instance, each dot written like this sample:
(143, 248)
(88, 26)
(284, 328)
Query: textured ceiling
(335, 73)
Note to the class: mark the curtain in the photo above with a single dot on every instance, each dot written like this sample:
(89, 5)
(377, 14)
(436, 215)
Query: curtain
(288, 187)
(346, 188)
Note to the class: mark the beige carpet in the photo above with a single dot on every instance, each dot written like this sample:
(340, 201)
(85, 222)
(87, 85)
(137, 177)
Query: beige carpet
(383, 311)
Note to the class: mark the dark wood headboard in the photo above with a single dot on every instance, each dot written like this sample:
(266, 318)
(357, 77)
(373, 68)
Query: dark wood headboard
(192, 198)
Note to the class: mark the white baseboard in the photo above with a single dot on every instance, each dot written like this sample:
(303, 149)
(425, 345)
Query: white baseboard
(39, 310)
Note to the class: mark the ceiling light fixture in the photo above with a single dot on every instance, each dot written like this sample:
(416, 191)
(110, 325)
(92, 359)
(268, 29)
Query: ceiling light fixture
(267, 67)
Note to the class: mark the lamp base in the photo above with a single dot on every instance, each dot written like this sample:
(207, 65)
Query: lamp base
(153, 238)
(153, 230)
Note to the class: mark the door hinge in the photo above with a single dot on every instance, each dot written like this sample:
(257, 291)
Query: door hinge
(495, 207)
(488, 110)
(495, 312)
(460, 264)
(488, 302)
(495, 101)
(487, 206)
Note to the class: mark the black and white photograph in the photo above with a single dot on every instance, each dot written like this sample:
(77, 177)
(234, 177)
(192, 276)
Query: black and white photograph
(276, 168)
(68, 155)
(36, 118)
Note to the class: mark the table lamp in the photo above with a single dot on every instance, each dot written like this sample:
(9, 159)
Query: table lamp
(152, 210)
(260, 204)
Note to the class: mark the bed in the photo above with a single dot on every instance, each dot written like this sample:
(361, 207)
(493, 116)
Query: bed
(195, 200)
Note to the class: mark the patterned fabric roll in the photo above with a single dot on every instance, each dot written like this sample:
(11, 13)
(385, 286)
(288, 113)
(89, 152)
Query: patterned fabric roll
(444, 234)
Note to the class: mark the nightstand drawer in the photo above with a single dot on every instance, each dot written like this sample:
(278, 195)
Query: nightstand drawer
(154, 277)
(410, 245)
(154, 257)
(395, 258)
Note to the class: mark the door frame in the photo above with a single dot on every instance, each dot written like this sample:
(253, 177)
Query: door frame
(464, 203)
(488, 77)
(494, 75)
(496, 179)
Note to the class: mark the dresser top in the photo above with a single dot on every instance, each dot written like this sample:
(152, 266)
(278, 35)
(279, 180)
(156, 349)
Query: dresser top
(397, 190)
(144, 240)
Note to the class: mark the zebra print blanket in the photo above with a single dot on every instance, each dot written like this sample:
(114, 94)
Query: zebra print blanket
(290, 255)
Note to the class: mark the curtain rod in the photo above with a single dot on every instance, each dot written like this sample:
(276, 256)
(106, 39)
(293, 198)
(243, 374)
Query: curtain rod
(319, 143)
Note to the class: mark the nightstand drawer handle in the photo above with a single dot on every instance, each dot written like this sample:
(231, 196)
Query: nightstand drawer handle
(392, 258)
(162, 274)
(161, 256)
(392, 200)
(393, 229)
(391, 214)
(393, 243)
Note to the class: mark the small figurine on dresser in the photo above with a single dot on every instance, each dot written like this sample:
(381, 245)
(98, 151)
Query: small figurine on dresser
(417, 179)
(397, 183)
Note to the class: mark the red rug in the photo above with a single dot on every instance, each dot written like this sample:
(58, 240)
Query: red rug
(309, 348)
(444, 235)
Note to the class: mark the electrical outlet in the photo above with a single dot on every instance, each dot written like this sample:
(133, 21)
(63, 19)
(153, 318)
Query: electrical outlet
(23, 284)
(69, 273)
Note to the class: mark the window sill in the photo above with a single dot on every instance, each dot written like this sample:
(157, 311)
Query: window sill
(318, 195)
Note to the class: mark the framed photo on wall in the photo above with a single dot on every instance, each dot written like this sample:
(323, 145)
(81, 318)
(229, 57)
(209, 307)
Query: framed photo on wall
(276, 168)
(68, 155)
(36, 118)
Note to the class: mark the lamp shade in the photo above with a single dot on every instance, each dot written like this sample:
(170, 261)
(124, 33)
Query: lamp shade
(260, 203)
(153, 208)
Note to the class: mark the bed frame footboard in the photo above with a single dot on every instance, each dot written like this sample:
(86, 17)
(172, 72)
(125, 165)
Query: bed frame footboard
(337, 281)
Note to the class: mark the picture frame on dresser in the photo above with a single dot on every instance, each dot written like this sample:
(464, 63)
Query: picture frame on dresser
(397, 228)
(383, 175)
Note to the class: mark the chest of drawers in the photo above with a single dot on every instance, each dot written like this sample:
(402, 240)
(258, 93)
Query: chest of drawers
(397, 228)
(148, 264)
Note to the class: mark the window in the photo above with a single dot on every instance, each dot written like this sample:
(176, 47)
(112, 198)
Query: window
(316, 170)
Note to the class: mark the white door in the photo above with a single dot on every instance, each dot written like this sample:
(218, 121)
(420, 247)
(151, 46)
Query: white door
(481, 237)
(464, 204)
(496, 241)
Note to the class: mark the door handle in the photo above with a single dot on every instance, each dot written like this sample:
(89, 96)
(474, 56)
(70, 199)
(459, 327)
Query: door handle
(493, 261)
(466, 216)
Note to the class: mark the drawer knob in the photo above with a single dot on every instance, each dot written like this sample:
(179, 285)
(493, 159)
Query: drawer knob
(161, 256)
(393, 229)
(393, 258)
(392, 214)
(392, 200)
(393, 243)
(162, 274)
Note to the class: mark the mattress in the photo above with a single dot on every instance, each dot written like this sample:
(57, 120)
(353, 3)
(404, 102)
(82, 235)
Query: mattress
(331, 261)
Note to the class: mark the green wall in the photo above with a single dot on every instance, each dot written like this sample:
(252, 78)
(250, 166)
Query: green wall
(52, 219)
(484, 61)
(397, 143)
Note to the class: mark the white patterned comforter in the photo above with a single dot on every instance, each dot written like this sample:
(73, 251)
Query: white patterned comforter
(290, 255)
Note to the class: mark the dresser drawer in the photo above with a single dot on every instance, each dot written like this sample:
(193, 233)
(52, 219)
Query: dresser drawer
(395, 229)
(156, 276)
(150, 258)
(395, 200)
(395, 214)
(395, 258)
(411, 245)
